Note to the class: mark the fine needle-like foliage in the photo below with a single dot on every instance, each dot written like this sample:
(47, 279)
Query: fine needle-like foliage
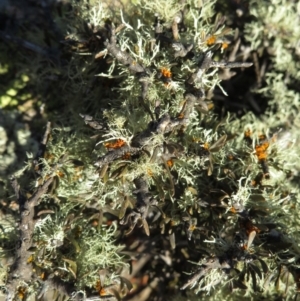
(159, 146)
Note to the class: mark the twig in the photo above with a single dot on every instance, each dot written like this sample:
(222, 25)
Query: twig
(42, 147)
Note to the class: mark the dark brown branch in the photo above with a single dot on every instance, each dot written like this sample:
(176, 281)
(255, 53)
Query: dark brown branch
(116, 154)
(144, 201)
(21, 270)
(207, 62)
(121, 56)
(163, 125)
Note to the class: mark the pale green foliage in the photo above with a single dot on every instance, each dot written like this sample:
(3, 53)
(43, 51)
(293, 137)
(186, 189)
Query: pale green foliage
(166, 10)
(93, 248)
(50, 231)
(215, 170)
(97, 250)
(276, 27)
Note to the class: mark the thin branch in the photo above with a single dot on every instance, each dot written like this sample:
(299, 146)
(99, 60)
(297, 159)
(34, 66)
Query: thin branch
(21, 270)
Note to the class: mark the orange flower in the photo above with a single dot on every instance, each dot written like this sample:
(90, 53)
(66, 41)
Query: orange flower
(30, 259)
(253, 183)
(98, 286)
(206, 146)
(42, 276)
(60, 174)
(211, 40)
(224, 45)
(166, 72)
(149, 172)
(247, 134)
(117, 144)
(192, 227)
(21, 292)
(260, 151)
(230, 157)
(180, 116)
(170, 163)
(103, 292)
(233, 210)
(126, 156)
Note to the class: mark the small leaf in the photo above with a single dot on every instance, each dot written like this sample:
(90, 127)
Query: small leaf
(172, 240)
(119, 171)
(75, 244)
(115, 293)
(251, 237)
(161, 194)
(146, 227)
(257, 198)
(72, 266)
(102, 276)
(239, 284)
(263, 265)
(172, 187)
(219, 20)
(253, 276)
(126, 282)
(77, 163)
(69, 219)
(218, 144)
(154, 154)
(124, 206)
(103, 171)
(173, 148)
(256, 270)
(129, 230)
(202, 106)
(211, 166)
(192, 190)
